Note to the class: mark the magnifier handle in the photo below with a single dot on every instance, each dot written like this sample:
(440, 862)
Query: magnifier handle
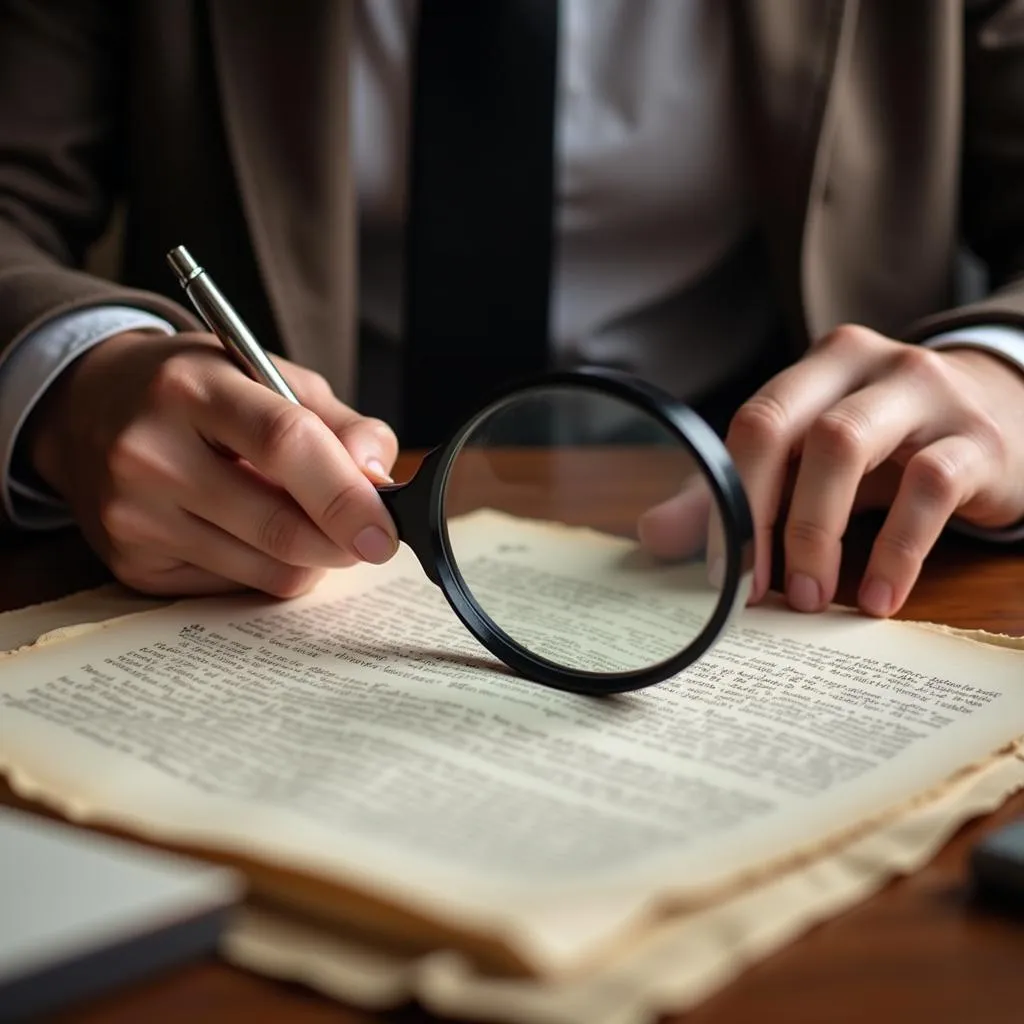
(417, 508)
(392, 497)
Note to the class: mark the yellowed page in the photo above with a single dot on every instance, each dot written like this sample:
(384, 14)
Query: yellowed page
(24, 626)
(669, 969)
(359, 734)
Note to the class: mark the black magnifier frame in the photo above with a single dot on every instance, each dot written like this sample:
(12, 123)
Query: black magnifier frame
(417, 507)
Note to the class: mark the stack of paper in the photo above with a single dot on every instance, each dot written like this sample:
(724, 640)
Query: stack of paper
(416, 821)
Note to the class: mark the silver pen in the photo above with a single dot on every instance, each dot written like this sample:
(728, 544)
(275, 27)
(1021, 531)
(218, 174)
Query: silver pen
(225, 323)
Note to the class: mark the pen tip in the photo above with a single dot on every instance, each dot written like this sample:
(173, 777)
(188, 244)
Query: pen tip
(182, 263)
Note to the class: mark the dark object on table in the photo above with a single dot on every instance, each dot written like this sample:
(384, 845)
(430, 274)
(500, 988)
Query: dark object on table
(997, 868)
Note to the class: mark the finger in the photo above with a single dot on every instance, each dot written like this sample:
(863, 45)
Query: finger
(158, 545)
(678, 528)
(182, 580)
(768, 427)
(292, 447)
(936, 482)
(371, 442)
(213, 550)
(233, 497)
(141, 566)
(841, 447)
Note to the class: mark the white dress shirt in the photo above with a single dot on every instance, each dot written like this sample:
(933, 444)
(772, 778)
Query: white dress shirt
(651, 212)
(650, 193)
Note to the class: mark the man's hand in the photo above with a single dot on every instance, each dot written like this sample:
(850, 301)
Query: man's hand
(866, 422)
(187, 477)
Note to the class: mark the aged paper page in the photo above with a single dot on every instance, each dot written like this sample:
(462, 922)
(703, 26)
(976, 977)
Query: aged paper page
(24, 626)
(325, 734)
(670, 969)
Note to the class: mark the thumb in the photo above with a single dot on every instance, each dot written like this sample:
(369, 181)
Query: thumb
(678, 527)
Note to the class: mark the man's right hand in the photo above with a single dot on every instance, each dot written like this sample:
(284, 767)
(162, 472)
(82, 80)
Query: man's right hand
(188, 477)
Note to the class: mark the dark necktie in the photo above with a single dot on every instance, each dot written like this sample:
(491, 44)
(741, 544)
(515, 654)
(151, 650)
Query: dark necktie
(479, 241)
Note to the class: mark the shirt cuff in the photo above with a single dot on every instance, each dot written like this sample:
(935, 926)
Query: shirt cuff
(25, 374)
(1008, 344)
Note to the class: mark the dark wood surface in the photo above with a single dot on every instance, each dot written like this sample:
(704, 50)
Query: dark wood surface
(921, 950)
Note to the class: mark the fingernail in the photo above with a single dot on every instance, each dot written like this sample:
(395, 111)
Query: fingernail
(716, 572)
(803, 592)
(876, 597)
(375, 468)
(374, 545)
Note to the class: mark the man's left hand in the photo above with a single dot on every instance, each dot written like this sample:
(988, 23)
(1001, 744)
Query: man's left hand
(866, 422)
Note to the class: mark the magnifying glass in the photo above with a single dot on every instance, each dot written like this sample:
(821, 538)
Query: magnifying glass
(588, 529)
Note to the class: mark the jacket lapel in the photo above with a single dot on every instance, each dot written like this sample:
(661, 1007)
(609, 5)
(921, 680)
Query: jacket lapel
(790, 54)
(283, 73)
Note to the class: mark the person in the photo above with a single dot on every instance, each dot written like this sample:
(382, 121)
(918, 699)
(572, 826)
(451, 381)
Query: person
(767, 196)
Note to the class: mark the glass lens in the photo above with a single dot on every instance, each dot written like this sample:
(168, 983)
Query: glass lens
(585, 530)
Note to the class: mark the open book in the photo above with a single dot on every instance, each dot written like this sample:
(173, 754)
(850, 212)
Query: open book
(362, 758)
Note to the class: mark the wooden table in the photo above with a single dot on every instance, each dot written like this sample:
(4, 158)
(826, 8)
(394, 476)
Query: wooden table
(918, 951)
